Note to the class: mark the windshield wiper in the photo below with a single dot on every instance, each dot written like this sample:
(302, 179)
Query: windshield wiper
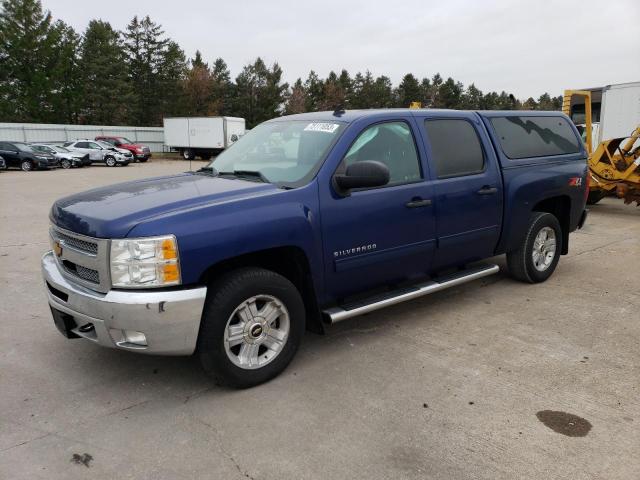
(208, 169)
(247, 174)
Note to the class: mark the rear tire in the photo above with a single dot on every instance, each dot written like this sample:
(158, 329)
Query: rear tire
(236, 345)
(539, 253)
(188, 154)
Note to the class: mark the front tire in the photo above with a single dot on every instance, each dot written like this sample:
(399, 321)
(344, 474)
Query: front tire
(251, 327)
(188, 154)
(110, 161)
(66, 164)
(26, 165)
(539, 253)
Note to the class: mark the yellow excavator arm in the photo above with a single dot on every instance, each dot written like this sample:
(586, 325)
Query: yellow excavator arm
(614, 165)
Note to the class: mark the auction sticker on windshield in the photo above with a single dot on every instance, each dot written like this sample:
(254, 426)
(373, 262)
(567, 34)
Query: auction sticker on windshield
(322, 127)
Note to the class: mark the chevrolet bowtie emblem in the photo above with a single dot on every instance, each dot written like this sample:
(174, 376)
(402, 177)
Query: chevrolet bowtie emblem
(57, 248)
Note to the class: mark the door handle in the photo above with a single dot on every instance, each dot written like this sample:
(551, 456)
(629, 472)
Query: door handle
(418, 202)
(487, 190)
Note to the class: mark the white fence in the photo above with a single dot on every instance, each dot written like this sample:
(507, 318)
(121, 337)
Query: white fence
(153, 137)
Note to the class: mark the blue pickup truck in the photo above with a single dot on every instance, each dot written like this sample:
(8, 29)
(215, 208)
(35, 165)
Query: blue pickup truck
(309, 220)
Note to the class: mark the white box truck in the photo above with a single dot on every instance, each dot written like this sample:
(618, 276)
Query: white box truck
(202, 136)
(615, 111)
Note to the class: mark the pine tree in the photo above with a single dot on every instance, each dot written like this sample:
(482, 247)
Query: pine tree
(314, 89)
(197, 61)
(382, 93)
(26, 47)
(222, 87)
(450, 94)
(146, 47)
(106, 93)
(65, 74)
(471, 98)
(408, 91)
(363, 90)
(173, 67)
(434, 91)
(260, 93)
(347, 87)
(530, 104)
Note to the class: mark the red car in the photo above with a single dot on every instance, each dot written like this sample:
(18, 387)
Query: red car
(140, 152)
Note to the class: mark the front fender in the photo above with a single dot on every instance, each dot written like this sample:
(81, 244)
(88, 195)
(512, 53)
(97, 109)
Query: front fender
(210, 234)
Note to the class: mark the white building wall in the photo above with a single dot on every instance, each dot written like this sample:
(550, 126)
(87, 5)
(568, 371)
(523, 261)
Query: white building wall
(153, 137)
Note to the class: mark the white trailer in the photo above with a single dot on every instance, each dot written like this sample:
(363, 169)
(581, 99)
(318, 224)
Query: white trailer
(202, 136)
(615, 111)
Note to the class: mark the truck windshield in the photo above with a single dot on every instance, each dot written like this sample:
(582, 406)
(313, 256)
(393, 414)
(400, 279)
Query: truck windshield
(284, 153)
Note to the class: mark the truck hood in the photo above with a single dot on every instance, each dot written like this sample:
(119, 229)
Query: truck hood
(111, 212)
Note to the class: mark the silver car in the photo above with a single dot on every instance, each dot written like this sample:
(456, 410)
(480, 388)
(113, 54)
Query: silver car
(99, 153)
(66, 158)
(123, 151)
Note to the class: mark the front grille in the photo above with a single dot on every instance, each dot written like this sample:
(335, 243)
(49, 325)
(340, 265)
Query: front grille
(84, 246)
(82, 259)
(88, 274)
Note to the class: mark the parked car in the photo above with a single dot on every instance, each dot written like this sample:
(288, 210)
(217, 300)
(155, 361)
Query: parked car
(66, 158)
(140, 152)
(100, 153)
(21, 155)
(3, 164)
(126, 153)
(309, 220)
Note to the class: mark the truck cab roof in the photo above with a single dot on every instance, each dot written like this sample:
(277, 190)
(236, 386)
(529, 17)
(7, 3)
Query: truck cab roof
(349, 116)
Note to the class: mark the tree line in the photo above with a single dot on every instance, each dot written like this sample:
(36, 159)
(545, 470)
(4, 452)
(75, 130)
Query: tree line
(49, 73)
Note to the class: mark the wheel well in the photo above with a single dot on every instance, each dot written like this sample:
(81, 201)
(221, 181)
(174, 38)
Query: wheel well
(290, 262)
(560, 207)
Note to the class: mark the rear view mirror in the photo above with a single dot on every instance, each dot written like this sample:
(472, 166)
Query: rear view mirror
(364, 174)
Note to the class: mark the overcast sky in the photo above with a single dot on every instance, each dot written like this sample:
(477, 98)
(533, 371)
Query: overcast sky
(522, 46)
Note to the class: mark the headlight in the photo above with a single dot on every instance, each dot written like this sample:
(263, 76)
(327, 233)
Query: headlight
(145, 262)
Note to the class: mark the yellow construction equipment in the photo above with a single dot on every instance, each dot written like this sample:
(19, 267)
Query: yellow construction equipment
(614, 163)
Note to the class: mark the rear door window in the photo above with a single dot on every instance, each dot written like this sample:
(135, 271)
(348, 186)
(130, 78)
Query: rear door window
(455, 147)
(524, 137)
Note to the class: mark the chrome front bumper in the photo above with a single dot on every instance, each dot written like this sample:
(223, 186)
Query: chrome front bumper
(170, 320)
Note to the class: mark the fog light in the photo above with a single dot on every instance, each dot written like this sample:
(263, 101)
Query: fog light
(137, 338)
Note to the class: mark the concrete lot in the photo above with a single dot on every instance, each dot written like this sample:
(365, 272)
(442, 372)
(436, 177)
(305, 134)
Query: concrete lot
(445, 387)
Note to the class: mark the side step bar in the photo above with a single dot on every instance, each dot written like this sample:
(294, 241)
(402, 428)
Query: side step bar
(343, 312)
